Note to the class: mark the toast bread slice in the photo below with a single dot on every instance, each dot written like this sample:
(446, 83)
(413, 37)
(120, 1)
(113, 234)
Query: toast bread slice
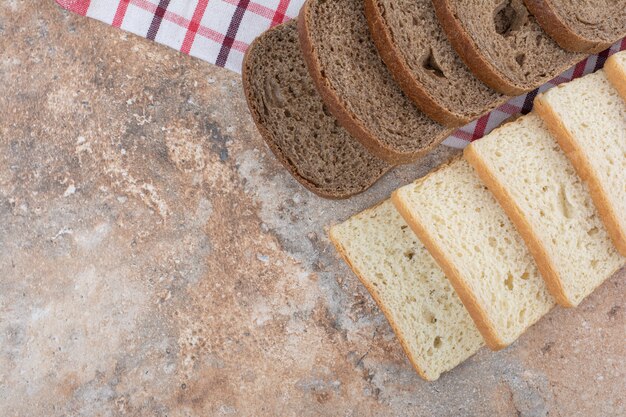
(587, 117)
(429, 320)
(477, 246)
(550, 205)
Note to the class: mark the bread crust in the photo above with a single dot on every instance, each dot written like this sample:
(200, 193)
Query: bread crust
(467, 49)
(396, 329)
(348, 120)
(476, 312)
(616, 75)
(585, 171)
(550, 21)
(402, 74)
(278, 153)
(538, 252)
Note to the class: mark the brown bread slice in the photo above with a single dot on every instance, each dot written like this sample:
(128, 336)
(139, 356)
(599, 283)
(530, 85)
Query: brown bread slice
(357, 86)
(581, 26)
(502, 43)
(294, 122)
(424, 64)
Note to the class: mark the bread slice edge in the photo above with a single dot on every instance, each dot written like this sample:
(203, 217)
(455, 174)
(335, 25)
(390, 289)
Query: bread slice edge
(467, 49)
(616, 74)
(557, 29)
(523, 227)
(335, 106)
(396, 329)
(585, 171)
(278, 153)
(478, 315)
(402, 74)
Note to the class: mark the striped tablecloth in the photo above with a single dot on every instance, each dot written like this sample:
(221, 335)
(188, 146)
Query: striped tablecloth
(220, 31)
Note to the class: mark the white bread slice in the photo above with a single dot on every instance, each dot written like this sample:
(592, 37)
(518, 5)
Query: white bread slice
(587, 117)
(615, 68)
(537, 186)
(476, 245)
(433, 327)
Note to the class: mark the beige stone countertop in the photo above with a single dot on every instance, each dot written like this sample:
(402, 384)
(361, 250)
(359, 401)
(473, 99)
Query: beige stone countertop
(156, 259)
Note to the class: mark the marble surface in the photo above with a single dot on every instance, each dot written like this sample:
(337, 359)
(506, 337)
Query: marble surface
(156, 260)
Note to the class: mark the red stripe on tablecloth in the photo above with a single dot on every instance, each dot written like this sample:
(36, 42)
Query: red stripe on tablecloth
(157, 19)
(179, 20)
(169, 16)
(561, 79)
(194, 25)
(219, 38)
(579, 69)
(463, 135)
(481, 125)
(120, 13)
(508, 109)
(231, 33)
(279, 16)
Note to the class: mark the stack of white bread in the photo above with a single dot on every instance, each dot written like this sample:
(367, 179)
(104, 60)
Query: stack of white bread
(533, 215)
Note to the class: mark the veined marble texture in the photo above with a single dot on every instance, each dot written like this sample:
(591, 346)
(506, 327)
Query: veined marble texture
(156, 259)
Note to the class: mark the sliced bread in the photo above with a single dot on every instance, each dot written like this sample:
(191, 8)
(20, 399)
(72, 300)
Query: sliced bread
(429, 320)
(477, 246)
(581, 26)
(294, 121)
(424, 64)
(615, 69)
(356, 85)
(502, 43)
(536, 184)
(587, 117)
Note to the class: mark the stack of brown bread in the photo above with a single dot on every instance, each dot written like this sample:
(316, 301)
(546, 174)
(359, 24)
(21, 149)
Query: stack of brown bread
(358, 86)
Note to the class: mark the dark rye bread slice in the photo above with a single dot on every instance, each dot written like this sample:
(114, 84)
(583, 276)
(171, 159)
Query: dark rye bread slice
(581, 26)
(357, 86)
(294, 121)
(502, 43)
(422, 61)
